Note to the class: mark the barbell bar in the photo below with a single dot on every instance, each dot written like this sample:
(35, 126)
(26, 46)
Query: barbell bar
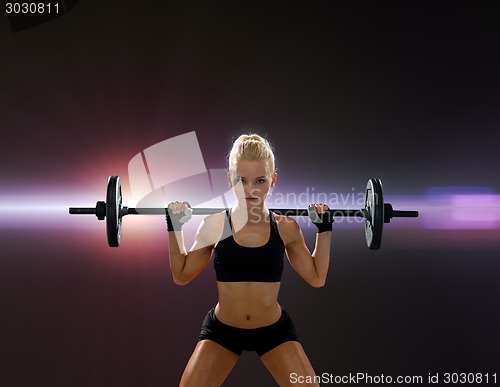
(375, 212)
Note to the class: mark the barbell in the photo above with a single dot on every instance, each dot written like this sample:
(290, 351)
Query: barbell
(375, 212)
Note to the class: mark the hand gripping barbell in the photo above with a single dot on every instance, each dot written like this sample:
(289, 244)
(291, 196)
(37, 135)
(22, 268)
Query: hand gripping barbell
(375, 213)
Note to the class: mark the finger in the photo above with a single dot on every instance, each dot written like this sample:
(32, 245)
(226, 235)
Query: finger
(175, 207)
(181, 207)
(319, 208)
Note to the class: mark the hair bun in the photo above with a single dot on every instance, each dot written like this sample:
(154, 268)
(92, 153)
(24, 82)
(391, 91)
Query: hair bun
(251, 147)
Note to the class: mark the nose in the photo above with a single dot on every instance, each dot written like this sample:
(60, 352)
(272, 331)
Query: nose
(250, 189)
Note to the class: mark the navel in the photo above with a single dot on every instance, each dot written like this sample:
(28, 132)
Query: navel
(248, 317)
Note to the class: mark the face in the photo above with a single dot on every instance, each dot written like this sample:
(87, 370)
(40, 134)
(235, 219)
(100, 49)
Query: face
(251, 182)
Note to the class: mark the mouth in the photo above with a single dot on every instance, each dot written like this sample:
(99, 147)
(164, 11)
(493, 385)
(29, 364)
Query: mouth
(252, 199)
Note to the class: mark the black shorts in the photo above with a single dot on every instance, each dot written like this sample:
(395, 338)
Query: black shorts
(237, 340)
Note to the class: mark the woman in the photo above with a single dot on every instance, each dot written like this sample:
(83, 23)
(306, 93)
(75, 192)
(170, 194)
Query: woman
(248, 243)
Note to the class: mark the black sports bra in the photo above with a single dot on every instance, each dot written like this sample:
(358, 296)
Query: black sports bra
(236, 263)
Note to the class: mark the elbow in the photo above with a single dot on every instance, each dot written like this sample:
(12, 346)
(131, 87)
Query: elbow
(180, 283)
(180, 280)
(318, 283)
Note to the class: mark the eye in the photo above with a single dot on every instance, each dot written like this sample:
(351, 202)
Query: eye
(261, 181)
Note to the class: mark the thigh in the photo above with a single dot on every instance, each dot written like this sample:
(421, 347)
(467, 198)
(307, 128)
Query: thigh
(209, 365)
(288, 362)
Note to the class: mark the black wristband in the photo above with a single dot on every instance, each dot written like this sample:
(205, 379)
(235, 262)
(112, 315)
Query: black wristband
(170, 225)
(325, 226)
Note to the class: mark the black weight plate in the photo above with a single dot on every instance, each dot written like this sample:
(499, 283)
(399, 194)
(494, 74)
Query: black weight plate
(374, 205)
(113, 211)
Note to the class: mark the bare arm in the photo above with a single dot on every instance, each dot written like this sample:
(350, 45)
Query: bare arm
(313, 268)
(186, 266)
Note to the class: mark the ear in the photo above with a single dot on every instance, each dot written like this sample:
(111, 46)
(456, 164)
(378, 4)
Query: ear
(275, 177)
(229, 182)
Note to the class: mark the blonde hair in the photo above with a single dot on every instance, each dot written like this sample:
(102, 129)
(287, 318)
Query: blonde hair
(251, 147)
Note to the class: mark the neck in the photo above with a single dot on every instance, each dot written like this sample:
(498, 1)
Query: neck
(254, 214)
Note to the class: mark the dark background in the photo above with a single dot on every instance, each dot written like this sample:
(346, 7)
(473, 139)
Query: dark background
(404, 91)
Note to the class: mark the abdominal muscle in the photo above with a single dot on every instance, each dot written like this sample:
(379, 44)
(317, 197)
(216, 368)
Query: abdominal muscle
(248, 304)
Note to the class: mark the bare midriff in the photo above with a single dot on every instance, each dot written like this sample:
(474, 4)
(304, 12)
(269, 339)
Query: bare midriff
(248, 304)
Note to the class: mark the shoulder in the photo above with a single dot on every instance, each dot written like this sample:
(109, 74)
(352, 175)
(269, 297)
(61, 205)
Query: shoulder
(288, 228)
(211, 228)
(215, 219)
